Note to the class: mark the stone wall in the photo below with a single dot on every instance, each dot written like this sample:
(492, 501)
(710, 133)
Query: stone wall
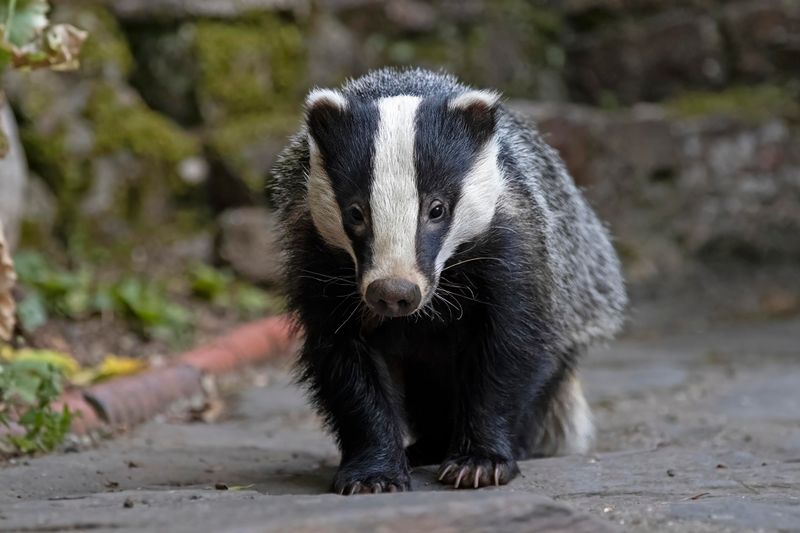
(181, 107)
(681, 188)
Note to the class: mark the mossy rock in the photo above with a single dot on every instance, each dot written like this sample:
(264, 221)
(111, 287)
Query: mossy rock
(250, 144)
(111, 162)
(752, 103)
(122, 121)
(514, 45)
(167, 71)
(251, 66)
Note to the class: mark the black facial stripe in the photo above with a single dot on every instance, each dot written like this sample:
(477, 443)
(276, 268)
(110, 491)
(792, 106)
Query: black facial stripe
(446, 146)
(346, 143)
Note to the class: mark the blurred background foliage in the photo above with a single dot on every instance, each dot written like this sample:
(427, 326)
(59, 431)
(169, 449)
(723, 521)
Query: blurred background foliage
(134, 193)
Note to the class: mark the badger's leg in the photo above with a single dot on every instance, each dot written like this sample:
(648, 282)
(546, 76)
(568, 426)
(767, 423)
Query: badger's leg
(352, 389)
(428, 396)
(499, 379)
(561, 426)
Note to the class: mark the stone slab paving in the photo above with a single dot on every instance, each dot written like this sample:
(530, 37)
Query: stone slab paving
(698, 431)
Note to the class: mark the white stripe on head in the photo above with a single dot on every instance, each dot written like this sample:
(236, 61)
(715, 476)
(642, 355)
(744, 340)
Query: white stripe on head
(322, 204)
(480, 192)
(394, 200)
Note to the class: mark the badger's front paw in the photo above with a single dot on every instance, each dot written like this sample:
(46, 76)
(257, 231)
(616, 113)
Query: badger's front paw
(354, 480)
(474, 471)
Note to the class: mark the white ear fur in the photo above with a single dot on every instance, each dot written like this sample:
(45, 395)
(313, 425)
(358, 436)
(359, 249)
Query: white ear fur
(326, 98)
(472, 98)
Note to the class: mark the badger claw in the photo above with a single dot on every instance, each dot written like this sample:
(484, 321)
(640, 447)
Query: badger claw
(475, 472)
(445, 471)
(348, 483)
(477, 477)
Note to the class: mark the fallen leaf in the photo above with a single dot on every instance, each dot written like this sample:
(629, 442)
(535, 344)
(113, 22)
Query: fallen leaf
(240, 487)
(114, 366)
(64, 363)
(209, 412)
(8, 279)
(57, 48)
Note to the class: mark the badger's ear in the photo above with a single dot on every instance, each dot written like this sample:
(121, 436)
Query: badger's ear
(324, 107)
(479, 108)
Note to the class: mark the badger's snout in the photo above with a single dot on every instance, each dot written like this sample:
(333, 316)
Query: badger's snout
(393, 297)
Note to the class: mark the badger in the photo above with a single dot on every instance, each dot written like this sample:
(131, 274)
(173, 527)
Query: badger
(447, 275)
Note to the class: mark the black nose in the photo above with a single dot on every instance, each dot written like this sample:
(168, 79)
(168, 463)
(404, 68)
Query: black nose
(393, 296)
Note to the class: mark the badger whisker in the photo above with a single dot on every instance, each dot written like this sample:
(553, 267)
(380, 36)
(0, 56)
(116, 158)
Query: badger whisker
(346, 320)
(452, 306)
(456, 287)
(345, 299)
(473, 259)
(473, 299)
(328, 281)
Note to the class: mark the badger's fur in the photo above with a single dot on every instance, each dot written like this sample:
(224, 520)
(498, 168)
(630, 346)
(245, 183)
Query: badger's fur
(447, 274)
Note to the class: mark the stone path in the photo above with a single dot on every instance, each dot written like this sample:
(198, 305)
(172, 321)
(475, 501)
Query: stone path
(698, 432)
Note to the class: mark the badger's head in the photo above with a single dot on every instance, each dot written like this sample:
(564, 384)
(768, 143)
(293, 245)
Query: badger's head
(399, 183)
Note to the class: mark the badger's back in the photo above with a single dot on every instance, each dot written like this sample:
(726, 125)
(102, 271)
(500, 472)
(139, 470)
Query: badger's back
(578, 265)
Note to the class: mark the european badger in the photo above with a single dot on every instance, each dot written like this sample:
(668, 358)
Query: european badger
(447, 274)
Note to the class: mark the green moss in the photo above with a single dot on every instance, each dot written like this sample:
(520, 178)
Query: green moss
(429, 51)
(66, 175)
(751, 103)
(251, 66)
(534, 35)
(520, 30)
(121, 122)
(230, 140)
(127, 123)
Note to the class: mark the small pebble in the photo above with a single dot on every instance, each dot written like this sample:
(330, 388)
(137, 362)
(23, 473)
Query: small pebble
(671, 473)
(128, 503)
(221, 486)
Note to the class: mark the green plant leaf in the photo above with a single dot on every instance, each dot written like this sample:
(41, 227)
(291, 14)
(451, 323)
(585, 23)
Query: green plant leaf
(150, 309)
(23, 20)
(28, 387)
(209, 283)
(32, 311)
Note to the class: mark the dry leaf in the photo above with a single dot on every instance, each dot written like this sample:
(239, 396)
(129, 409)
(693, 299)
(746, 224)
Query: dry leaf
(111, 366)
(57, 48)
(240, 487)
(8, 278)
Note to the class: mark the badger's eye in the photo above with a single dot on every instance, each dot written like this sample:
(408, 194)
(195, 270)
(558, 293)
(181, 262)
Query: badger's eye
(356, 214)
(437, 211)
